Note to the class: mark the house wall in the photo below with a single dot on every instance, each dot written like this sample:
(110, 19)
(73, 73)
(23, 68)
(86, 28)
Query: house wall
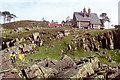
(84, 24)
(95, 26)
(74, 21)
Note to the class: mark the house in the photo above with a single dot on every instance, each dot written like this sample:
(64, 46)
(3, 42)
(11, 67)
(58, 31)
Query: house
(86, 20)
(51, 25)
(66, 23)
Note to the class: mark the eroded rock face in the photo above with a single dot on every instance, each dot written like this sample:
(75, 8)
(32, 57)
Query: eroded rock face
(84, 71)
(108, 40)
(64, 68)
(35, 35)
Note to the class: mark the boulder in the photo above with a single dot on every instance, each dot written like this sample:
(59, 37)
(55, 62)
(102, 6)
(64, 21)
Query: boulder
(48, 72)
(28, 48)
(60, 34)
(20, 28)
(75, 36)
(77, 60)
(37, 71)
(41, 43)
(84, 71)
(67, 62)
(8, 44)
(35, 35)
(32, 72)
(69, 47)
(27, 28)
(11, 32)
(67, 73)
(66, 32)
(110, 59)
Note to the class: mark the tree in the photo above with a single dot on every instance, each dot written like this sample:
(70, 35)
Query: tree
(68, 18)
(63, 22)
(52, 21)
(104, 18)
(13, 16)
(9, 17)
(43, 19)
(5, 14)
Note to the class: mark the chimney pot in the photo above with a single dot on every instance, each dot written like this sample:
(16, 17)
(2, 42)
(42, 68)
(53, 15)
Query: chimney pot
(89, 11)
(84, 12)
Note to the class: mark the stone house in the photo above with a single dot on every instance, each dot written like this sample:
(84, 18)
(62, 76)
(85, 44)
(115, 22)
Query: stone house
(84, 20)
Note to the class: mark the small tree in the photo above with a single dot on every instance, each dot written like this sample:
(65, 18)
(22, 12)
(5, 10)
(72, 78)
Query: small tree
(13, 16)
(9, 18)
(43, 19)
(5, 14)
(52, 21)
(104, 18)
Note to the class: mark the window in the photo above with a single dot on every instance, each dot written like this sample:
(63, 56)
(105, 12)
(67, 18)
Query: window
(95, 26)
(81, 26)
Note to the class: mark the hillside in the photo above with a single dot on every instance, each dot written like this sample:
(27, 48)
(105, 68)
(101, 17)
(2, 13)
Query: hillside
(54, 43)
(25, 23)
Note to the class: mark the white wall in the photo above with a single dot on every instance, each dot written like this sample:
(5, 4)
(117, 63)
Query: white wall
(119, 13)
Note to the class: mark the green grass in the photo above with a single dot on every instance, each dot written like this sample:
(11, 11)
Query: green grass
(100, 31)
(24, 23)
(60, 44)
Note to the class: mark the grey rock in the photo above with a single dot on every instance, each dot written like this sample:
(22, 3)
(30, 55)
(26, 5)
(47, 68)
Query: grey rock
(69, 47)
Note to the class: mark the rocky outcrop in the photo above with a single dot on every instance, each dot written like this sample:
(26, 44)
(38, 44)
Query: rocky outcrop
(34, 39)
(64, 68)
(35, 36)
(17, 49)
(12, 43)
(89, 67)
(62, 34)
(116, 38)
(107, 40)
(66, 32)
(18, 30)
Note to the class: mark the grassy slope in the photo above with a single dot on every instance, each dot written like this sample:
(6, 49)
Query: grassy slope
(55, 52)
(24, 23)
(61, 44)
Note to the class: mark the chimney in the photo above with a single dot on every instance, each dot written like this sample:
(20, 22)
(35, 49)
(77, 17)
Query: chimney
(84, 12)
(81, 12)
(89, 11)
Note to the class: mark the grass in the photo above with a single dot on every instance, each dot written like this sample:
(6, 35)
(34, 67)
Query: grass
(59, 44)
(94, 32)
(24, 23)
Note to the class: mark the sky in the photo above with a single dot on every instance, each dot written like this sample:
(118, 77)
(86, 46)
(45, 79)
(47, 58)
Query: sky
(58, 10)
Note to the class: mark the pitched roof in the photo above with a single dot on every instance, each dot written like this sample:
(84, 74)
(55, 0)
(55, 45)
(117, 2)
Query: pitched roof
(93, 17)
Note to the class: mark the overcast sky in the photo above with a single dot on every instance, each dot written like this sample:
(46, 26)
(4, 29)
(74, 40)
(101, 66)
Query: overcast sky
(58, 10)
